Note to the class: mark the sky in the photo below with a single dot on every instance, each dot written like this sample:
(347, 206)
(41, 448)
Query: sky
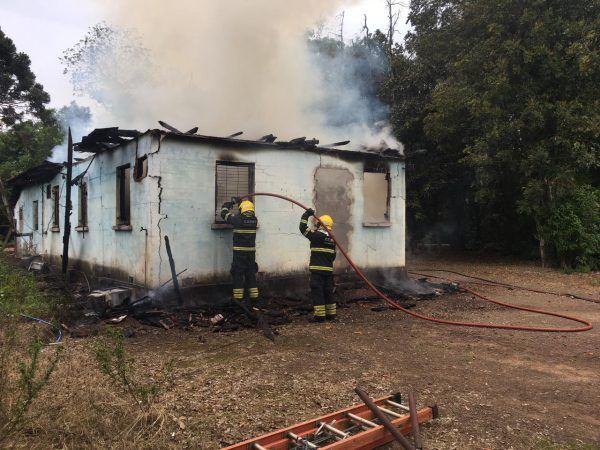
(45, 28)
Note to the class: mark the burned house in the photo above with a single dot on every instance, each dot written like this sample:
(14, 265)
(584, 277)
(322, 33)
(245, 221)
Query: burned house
(132, 189)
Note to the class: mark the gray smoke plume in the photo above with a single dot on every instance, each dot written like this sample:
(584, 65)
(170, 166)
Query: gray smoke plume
(227, 66)
(79, 118)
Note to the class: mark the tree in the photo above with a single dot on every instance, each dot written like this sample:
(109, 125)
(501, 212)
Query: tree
(437, 184)
(21, 97)
(28, 129)
(521, 100)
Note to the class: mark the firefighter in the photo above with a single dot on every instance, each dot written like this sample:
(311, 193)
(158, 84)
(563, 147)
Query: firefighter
(322, 255)
(243, 266)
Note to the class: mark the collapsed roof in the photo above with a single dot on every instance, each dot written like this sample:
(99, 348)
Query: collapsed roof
(38, 174)
(106, 139)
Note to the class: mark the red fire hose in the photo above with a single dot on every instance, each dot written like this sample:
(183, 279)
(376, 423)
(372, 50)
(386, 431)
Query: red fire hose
(587, 325)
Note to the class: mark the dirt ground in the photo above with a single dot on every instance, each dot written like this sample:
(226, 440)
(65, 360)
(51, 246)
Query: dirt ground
(495, 389)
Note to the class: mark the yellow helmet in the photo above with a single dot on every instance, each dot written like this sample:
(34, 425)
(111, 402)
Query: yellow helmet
(246, 205)
(327, 221)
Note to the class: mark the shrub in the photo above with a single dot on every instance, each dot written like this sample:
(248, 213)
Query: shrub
(25, 371)
(119, 367)
(573, 229)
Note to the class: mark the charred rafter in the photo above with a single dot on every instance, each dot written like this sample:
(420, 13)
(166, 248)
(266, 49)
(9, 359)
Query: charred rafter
(268, 138)
(336, 144)
(300, 142)
(102, 139)
(171, 128)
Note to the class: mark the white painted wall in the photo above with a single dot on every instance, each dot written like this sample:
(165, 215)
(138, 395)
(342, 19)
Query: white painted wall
(177, 199)
(120, 252)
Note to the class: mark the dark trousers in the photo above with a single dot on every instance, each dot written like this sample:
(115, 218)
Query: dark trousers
(243, 272)
(321, 294)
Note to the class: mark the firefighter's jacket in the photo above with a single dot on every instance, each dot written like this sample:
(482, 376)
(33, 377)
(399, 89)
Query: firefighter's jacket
(244, 229)
(322, 248)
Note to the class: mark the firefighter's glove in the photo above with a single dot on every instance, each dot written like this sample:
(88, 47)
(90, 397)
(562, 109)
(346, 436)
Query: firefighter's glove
(311, 212)
(236, 200)
(228, 205)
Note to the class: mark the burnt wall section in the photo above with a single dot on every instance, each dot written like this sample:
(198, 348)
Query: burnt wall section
(334, 195)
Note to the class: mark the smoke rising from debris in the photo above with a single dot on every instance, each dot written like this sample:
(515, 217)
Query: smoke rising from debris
(77, 117)
(231, 65)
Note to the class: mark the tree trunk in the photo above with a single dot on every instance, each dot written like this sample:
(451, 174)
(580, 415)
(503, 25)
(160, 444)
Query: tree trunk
(542, 242)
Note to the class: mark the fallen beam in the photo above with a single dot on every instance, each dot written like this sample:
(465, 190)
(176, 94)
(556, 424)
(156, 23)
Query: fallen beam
(383, 419)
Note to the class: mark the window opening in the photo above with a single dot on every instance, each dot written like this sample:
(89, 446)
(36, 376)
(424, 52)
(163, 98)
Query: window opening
(141, 167)
(83, 216)
(233, 179)
(376, 197)
(123, 195)
(35, 215)
(56, 208)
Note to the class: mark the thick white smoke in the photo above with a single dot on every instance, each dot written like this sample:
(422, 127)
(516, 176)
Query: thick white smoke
(226, 66)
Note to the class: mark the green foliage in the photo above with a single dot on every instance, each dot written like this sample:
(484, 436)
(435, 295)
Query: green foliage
(20, 95)
(503, 96)
(27, 144)
(114, 362)
(20, 294)
(28, 130)
(573, 229)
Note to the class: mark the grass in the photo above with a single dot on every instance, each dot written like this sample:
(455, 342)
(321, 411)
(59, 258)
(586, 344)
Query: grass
(19, 293)
(26, 367)
(548, 445)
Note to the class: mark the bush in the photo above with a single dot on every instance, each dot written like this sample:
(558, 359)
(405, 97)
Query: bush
(114, 362)
(19, 293)
(24, 371)
(25, 368)
(573, 230)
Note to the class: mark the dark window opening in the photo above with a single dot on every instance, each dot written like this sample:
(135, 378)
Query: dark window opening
(35, 215)
(48, 191)
(56, 210)
(141, 167)
(233, 179)
(376, 197)
(123, 195)
(20, 219)
(83, 200)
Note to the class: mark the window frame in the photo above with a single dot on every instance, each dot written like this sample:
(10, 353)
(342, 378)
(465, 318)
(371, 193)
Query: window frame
(35, 217)
(55, 208)
(82, 209)
(122, 182)
(21, 223)
(140, 161)
(218, 221)
(387, 214)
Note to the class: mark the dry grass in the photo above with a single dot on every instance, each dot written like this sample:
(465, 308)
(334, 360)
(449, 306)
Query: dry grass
(83, 409)
(495, 389)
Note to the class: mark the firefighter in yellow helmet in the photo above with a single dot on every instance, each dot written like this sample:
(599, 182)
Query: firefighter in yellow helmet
(322, 255)
(243, 266)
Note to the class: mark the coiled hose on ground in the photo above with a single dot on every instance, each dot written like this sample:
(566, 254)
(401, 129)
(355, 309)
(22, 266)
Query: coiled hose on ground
(587, 325)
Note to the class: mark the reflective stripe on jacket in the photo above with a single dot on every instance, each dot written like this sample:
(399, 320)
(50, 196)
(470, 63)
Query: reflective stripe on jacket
(244, 229)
